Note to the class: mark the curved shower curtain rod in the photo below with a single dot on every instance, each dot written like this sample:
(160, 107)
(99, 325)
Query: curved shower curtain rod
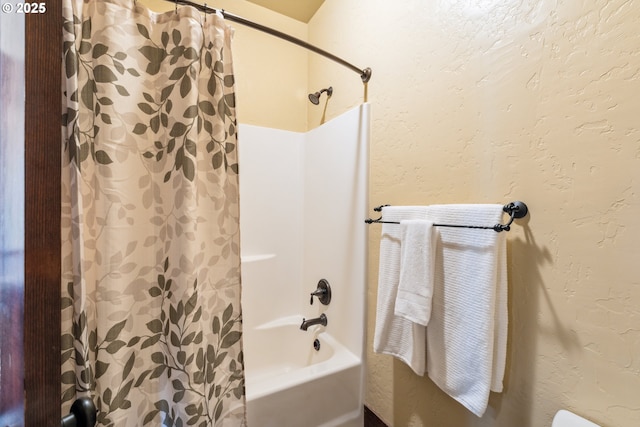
(365, 74)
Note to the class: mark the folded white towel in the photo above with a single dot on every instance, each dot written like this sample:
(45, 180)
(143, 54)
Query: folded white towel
(417, 256)
(396, 335)
(467, 332)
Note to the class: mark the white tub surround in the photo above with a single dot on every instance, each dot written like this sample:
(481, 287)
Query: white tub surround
(303, 200)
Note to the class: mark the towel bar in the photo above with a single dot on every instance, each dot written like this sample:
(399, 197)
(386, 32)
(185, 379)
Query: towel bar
(514, 209)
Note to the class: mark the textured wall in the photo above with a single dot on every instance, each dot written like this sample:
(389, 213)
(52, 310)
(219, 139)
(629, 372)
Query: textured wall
(491, 101)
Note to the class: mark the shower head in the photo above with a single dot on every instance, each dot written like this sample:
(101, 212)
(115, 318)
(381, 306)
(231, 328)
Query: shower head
(315, 97)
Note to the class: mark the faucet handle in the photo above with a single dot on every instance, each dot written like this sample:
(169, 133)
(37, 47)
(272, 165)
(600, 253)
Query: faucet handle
(323, 292)
(318, 293)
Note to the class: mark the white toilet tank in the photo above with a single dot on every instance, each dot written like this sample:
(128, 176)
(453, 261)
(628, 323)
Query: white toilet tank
(568, 419)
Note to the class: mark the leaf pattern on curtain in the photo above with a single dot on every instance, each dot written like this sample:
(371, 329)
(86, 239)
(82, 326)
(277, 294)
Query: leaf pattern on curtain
(150, 223)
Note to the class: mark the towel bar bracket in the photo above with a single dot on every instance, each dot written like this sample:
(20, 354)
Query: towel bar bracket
(518, 209)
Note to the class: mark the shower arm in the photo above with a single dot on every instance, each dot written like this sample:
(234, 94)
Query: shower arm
(365, 74)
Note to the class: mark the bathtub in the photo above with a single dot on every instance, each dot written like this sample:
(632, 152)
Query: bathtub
(291, 384)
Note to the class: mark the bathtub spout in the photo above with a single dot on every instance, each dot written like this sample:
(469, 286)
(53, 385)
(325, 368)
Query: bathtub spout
(322, 320)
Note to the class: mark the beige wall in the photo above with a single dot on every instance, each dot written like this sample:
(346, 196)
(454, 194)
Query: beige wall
(271, 74)
(491, 101)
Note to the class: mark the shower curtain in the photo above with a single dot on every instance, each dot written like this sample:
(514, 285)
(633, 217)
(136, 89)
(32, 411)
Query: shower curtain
(151, 324)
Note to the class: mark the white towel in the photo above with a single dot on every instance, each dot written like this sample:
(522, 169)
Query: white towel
(467, 332)
(417, 256)
(395, 335)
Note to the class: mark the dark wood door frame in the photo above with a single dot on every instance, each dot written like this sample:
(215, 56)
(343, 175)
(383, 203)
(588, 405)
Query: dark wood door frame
(42, 216)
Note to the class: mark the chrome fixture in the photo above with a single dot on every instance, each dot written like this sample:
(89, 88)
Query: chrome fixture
(323, 292)
(315, 97)
(322, 320)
